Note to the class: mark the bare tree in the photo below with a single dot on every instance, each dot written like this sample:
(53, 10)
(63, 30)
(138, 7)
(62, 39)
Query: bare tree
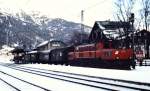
(78, 37)
(145, 11)
(124, 9)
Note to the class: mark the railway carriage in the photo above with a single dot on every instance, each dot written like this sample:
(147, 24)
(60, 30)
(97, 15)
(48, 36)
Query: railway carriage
(32, 57)
(60, 55)
(44, 56)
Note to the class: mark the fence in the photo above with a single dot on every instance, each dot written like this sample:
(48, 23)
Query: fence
(146, 62)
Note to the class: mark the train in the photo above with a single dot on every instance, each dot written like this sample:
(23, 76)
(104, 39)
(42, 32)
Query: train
(101, 51)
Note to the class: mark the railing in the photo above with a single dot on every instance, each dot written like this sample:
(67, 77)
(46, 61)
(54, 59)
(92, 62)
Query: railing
(145, 62)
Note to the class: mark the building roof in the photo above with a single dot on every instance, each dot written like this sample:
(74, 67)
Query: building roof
(113, 24)
(18, 50)
(143, 31)
(46, 51)
(50, 41)
(43, 43)
(109, 30)
(32, 52)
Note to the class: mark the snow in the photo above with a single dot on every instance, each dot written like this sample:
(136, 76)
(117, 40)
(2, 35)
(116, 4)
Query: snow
(6, 58)
(43, 43)
(33, 52)
(5, 55)
(140, 74)
(17, 83)
(5, 49)
(49, 83)
(4, 87)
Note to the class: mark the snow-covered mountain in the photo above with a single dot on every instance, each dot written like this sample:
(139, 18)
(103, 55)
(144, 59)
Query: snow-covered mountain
(30, 30)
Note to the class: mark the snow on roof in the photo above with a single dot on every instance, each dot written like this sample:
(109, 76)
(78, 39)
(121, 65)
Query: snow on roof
(112, 29)
(43, 43)
(52, 40)
(46, 51)
(32, 52)
(113, 24)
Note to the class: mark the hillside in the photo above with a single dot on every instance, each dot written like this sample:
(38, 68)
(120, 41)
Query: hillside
(29, 30)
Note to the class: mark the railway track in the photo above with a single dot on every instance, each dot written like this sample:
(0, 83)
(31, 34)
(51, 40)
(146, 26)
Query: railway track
(10, 85)
(19, 84)
(92, 81)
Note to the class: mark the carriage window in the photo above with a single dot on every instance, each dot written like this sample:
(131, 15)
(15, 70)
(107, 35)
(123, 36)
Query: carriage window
(55, 44)
(109, 53)
(91, 48)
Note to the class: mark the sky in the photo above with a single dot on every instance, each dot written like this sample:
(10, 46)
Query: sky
(94, 10)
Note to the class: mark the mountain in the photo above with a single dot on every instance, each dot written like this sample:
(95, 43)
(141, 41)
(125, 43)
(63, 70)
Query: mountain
(29, 30)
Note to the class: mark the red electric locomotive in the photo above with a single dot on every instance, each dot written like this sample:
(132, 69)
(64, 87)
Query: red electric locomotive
(107, 47)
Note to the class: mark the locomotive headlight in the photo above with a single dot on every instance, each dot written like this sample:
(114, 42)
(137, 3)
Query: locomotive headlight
(117, 57)
(130, 57)
(60, 54)
(116, 52)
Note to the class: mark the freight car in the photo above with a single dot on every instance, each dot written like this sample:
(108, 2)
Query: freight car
(31, 57)
(44, 56)
(60, 55)
(51, 56)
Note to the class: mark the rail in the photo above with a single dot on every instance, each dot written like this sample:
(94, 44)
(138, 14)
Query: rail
(11, 85)
(97, 82)
(17, 88)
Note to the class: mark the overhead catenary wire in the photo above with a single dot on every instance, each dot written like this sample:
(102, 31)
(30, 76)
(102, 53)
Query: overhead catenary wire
(95, 5)
(78, 14)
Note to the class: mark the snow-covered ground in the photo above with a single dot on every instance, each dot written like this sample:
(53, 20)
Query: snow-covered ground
(49, 83)
(5, 55)
(6, 58)
(140, 74)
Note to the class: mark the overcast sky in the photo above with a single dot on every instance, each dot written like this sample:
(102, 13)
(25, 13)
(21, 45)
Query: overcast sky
(67, 9)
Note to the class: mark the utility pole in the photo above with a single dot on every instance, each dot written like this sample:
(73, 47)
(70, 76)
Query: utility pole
(146, 15)
(82, 25)
(131, 21)
(7, 31)
(7, 40)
